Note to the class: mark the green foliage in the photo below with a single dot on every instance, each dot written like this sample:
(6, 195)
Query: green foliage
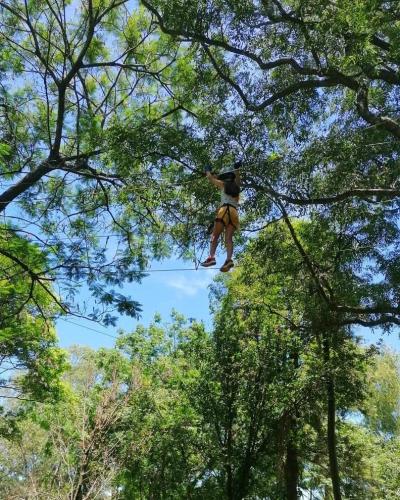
(108, 114)
(174, 412)
(382, 407)
(78, 85)
(31, 362)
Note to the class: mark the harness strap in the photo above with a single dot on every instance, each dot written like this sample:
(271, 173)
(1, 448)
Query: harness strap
(218, 219)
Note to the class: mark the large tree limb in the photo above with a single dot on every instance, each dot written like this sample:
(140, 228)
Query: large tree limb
(84, 170)
(373, 118)
(382, 44)
(45, 168)
(374, 309)
(290, 89)
(24, 184)
(283, 61)
(370, 323)
(361, 193)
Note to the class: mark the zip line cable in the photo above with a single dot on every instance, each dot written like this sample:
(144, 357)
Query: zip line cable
(179, 269)
(88, 328)
(149, 270)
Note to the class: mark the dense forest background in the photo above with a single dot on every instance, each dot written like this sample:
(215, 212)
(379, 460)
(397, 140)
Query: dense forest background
(109, 112)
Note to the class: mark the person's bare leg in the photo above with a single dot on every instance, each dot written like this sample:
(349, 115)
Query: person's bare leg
(218, 228)
(229, 230)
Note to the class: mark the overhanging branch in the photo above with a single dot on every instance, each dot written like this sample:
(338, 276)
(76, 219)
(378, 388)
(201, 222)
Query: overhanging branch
(360, 193)
(290, 89)
(370, 323)
(373, 118)
(24, 184)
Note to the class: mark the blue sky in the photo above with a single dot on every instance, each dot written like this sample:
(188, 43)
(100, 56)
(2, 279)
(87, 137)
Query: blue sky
(160, 292)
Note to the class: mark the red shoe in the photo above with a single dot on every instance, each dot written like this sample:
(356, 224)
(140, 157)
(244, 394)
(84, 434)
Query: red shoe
(210, 261)
(228, 264)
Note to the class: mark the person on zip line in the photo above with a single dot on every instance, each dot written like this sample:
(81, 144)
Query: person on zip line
(227, 217)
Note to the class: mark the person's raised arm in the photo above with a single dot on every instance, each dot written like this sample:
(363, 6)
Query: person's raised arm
(237, 176)
(237, 166)
(213, 178)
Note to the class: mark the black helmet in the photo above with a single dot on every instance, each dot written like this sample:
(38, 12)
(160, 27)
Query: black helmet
(227, 174)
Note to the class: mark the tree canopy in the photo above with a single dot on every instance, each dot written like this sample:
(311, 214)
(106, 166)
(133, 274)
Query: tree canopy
(109, 112)
(117, 108)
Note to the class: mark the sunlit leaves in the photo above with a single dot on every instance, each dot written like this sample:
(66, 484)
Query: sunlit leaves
(31, 362)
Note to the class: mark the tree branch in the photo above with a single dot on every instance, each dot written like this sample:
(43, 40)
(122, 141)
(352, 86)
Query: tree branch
(304, 254)
(284, 61)
(34, 276)
(382, 44)
(25, 183)
(361, 193)
(290, 89)
(369, 323)
(374, 119)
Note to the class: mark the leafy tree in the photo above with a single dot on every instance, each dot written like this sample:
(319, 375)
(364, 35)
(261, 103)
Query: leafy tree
(173, 412)
(74, 75)
(77, 441)
(173, 461)
(382, 408)
(282, 288)
(31, 364)
(315, 120)
(369, 460)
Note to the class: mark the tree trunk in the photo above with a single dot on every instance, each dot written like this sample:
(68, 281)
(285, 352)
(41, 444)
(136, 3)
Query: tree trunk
(230, 488)
(291, 466)
(81, 488)
(230, 491)
(243, 477)
(291, 470)
(333, 463)
(331, 437)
